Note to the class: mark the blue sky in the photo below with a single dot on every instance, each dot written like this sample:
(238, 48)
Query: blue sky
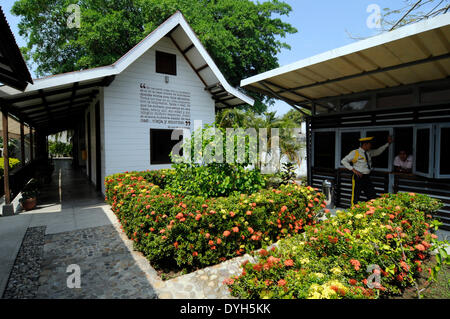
(322, 25)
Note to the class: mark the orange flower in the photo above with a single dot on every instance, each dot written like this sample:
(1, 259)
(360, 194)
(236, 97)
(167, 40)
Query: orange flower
(389, 236)
(235, 229)
(355, 264)
(248, 213)
(420, 247)
(211, 243)
(195, 254)
(289, 263)
(251, 230)
(257, 267)
(283, 209)
(175, 244)
(198, 216)
(219, 241)
(228, 281)
(352, 282)
(226, 233)
(263, 252)
(282, 282)
(207, 235)
(232, 214)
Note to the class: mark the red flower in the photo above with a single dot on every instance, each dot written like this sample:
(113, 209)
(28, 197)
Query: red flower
(289, 263)
(228, 281)
(355, 264)
(352, 282)
(282, 282)
(210, 243)
(251, 230)
(257, 267)
(198, 216)
(226, 233)
(232, 214)
(175, 244)
(195, 254)
(420, 247)
(389, 236)
(263, 252)
(283, 209)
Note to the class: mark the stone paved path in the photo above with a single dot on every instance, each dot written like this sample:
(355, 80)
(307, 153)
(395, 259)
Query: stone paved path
(108, 270)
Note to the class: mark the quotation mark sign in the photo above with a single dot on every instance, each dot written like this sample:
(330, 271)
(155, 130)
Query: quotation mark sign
(374, 19)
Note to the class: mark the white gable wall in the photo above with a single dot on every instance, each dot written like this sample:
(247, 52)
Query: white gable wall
(126, 138)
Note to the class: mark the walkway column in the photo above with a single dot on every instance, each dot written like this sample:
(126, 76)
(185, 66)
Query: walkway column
(22, 144)
(31, 144)
(8, 209)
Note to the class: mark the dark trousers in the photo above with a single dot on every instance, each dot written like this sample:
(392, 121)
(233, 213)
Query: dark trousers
(362, 184)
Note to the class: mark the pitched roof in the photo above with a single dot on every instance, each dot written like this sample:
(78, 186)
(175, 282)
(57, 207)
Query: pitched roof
(184, 38)
(13, 69)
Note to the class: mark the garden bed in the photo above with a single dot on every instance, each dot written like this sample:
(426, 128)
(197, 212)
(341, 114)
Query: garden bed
(180, 234)
(373, 250)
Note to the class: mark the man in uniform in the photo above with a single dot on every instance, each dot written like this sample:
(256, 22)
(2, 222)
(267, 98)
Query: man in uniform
(360, 163)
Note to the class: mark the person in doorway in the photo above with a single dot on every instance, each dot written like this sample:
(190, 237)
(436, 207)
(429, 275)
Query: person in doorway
(359, 161)
(403, 162)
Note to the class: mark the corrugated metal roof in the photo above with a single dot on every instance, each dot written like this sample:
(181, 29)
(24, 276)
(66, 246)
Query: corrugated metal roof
(412, 54)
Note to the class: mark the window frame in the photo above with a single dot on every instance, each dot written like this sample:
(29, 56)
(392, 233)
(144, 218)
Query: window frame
(340, 155)
(151, 143)
(390, 149)
(437, 153)
(163, 53)
(313, 137)
(431, 150)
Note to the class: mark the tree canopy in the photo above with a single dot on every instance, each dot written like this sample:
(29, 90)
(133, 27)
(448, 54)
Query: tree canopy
(242, 36)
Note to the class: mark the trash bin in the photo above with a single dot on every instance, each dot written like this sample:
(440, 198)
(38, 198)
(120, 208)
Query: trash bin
(327, 190)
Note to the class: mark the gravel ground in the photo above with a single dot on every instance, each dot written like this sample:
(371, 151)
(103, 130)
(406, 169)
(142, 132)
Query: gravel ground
(23, 282)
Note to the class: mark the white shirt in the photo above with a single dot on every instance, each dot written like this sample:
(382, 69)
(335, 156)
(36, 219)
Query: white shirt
(358, 159)
(404, 165)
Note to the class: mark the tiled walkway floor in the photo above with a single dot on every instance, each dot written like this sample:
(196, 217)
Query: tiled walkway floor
(80, 229)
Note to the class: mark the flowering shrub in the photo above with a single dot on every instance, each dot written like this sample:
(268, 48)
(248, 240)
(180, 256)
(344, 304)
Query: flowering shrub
(387, 238)
(192, 231)
(13, 162)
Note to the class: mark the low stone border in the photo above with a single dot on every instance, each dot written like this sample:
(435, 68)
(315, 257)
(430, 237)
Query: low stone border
(23, 281)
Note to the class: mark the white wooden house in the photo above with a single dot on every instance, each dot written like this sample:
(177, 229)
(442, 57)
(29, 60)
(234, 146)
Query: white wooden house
(123, 114)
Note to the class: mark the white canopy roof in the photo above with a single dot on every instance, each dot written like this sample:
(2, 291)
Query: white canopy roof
(412, 54)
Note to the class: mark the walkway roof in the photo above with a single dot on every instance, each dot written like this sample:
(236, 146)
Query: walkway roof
(55, 100)
(412, 54)
(13, 69)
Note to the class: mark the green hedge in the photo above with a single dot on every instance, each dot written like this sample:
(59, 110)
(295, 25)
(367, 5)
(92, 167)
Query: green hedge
(192, 231)
(332, 259)
(13, 162)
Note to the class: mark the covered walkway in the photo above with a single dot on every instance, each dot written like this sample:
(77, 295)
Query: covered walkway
(72, 225)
